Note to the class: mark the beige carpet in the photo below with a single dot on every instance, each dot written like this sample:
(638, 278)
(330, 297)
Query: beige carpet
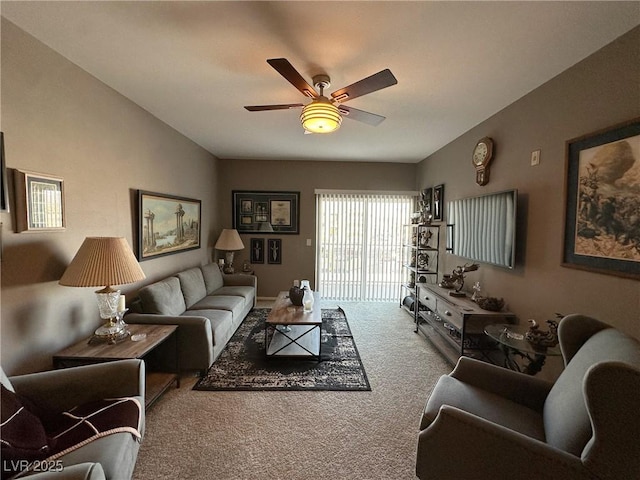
(303, 435)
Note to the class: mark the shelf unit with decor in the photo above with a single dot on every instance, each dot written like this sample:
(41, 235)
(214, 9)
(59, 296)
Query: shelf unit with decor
(455, 325)
(419, 262)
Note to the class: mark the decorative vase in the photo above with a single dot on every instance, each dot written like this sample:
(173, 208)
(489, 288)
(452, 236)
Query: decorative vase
(295, 295)
(307, 300)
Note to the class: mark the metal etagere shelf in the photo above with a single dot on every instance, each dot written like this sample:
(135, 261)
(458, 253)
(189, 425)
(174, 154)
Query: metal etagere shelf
(419, 261)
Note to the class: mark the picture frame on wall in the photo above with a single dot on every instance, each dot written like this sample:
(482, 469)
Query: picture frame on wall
(438, 203)
(257, 250)
(601, 191)
(40, 203)
(274, 251)
(167, 224)
(266, 212)
(426, 198)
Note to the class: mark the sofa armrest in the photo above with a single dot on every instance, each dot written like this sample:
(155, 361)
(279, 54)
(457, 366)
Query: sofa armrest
(59, 390)
(195, 337)
(238, 279)
(81, 471)
(460, 445)
(517, 387)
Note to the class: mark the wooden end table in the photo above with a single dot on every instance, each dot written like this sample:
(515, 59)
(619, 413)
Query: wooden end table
(157, 382)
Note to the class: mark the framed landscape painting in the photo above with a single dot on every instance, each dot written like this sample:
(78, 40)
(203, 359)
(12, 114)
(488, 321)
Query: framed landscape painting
(603, 200)
(266, 212)
(167, 224)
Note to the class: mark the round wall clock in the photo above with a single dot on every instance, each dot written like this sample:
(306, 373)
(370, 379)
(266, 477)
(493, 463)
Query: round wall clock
(481, 157)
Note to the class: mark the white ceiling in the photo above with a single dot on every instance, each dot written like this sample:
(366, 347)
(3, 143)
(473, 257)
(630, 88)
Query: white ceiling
(194, 65)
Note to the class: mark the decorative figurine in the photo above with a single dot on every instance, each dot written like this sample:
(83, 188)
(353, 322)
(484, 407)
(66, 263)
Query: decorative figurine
(476, 292)
(540, 338)
(457, 277)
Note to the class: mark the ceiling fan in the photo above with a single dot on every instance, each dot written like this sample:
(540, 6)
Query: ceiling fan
(324, 115)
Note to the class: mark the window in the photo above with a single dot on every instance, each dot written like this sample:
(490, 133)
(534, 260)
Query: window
(359, 244)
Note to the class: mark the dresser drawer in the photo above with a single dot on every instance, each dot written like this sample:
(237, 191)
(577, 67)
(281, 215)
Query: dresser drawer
(427, 299)
(449, 314)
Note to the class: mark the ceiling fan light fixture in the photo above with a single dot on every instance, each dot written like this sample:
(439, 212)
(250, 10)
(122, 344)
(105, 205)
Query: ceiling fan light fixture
(320, 116)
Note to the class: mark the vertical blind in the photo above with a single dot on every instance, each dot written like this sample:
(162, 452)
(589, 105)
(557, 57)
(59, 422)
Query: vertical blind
(359, 244)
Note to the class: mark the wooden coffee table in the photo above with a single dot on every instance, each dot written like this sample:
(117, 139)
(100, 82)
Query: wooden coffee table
(289, 332)
(157, 382)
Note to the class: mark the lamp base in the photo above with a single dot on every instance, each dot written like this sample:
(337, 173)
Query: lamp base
(109, 329)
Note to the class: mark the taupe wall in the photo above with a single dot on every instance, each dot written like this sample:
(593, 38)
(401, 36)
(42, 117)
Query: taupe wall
(298, 260)
(59, 120)
(601, 91)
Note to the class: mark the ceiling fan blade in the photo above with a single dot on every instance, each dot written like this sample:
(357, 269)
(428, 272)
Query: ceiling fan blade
(262, 108)
(284, 68)
(375, 82)
(361, 115)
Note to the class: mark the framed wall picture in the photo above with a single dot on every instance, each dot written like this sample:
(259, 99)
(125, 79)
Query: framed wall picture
(602, 184)
(426, 198)
(4, 192)
(39, 202)
(266, 212)
(167, 224)
(257, 250)
(438, 203)
(274, 251)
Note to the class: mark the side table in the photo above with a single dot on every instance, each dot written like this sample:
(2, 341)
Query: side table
(512, 342)
(157, 379)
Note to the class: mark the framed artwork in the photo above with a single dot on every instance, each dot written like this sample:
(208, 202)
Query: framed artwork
(4, 192)
(426, 197)
(438, 203)
(266, 212)
(257, 250)
(167, 224)
(602, 184)
(274, 251)
(39, 202)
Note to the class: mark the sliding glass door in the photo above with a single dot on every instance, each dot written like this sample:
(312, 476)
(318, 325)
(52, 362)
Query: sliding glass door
(358, 255)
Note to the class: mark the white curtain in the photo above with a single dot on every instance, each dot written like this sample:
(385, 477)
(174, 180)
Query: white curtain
(359, 244)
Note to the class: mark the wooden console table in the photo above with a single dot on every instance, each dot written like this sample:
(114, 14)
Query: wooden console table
(455, 325)
(157, 380)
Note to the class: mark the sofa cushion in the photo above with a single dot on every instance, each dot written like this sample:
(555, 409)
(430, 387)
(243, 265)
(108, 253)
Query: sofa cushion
(212, 277)
(163, 297)
(232, 304)
(221, 323)
(238, 291)
(487, 405)
(566, 419)
(192, 284)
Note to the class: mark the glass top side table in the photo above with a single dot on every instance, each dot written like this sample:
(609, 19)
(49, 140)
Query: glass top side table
(511, 341)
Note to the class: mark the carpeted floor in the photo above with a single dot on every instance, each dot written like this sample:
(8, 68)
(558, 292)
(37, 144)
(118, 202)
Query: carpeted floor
(299, 435)
(242, 365)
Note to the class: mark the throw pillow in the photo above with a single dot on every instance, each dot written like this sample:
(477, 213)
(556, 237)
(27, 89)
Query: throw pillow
(22, 435)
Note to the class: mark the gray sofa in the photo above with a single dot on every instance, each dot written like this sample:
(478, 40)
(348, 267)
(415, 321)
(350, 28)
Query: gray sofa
(483, 421)
(110, 457)
(208, 307)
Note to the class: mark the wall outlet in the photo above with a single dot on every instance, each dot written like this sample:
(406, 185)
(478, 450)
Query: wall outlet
(535, 158)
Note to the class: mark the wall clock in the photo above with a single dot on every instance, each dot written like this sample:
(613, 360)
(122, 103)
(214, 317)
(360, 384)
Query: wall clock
(482, 155)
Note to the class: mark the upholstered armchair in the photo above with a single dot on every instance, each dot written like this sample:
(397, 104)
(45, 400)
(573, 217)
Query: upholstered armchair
(485, 422)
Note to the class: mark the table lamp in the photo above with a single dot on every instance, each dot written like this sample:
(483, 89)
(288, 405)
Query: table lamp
(104, 261)
(229, 241)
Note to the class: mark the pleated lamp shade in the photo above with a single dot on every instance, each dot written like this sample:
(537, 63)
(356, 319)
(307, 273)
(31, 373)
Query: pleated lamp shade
(102, 261)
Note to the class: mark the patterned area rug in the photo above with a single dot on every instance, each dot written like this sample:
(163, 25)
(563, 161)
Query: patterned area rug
(242, 364)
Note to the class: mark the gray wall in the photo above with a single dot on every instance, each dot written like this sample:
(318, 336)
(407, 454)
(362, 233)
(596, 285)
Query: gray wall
(298, 260)
(601, 91)
(59, 120)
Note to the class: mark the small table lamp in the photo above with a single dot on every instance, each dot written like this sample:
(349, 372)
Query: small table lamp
(229, 241)
(104, 261)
